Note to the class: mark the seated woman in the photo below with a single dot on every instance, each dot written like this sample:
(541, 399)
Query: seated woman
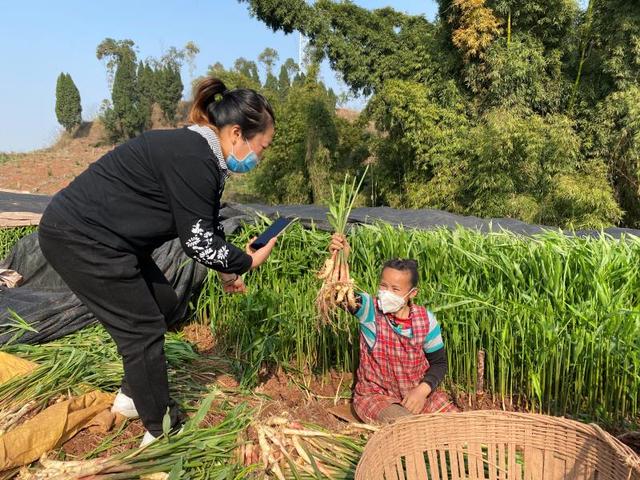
(402, 356)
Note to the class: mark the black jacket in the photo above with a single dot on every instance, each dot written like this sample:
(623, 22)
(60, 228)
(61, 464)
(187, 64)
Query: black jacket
(158, 186)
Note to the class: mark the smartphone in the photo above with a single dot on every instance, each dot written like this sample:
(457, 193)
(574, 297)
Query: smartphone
(274, 229)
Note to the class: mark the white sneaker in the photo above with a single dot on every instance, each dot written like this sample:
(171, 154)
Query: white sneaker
(147, 439)
(124, 406)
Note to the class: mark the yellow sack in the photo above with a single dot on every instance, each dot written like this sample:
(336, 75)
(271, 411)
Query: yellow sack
(51, 428)
(12, 366)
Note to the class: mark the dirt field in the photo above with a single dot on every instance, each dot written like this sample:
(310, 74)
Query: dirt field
(47, 171)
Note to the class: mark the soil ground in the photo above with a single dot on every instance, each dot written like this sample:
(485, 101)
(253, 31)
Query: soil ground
(48, 170)
(278, 396)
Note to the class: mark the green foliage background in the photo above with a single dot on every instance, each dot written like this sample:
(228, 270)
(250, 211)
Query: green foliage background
(497, 108)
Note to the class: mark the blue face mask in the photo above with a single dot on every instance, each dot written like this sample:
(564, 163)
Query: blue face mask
(242, 166)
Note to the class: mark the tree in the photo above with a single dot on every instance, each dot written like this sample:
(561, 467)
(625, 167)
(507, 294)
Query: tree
(551, 22)
(422, 135)
(491, 86)
(241, 76)
(176, 57)
(168, 80)
(190, 51)
(146, 91)
(248, 69)
(366, 47)
(271, 84)
(283, 81)
(614, 136)
(68, 106)
(285, 15)
(268, 57)
(318, 147)
(114, 51)
(287, 70)
(475, 28)
(527, 167)
(127, 111)
(519, 75)
(168, 90)
(123, 117)
(614, 60)
(137, 86)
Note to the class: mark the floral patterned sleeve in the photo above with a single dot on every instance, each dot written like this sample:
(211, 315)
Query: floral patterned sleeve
(192, 186)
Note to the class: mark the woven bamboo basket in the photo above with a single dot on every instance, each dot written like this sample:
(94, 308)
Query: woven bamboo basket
(495, 446)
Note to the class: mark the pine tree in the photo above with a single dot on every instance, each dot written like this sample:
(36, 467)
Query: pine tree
(249, 70)
(287, 72)
(271, 84)
(68, 106)
(146, 89)
(283, 82)
(268, 57)
(126, 99)
(169, 90)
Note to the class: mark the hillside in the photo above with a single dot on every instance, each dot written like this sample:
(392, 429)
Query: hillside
(48, 170)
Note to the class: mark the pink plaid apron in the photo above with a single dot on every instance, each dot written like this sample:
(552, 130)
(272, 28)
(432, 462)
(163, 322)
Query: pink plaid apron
(394, 366)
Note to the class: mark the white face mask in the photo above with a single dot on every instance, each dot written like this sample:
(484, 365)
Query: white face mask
(389, 302)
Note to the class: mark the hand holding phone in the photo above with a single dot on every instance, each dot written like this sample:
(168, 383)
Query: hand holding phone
(258, 257)
(273, 231)
(260, 248)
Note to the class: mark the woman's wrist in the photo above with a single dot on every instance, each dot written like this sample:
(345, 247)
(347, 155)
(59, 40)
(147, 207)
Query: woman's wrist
(228, 279)
(426, 388)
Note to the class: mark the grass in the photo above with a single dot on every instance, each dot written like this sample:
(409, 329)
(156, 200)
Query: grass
(558, 317)
(7, 157)
(88, 360)
(276, 321)
(9, 236)
(199, 452)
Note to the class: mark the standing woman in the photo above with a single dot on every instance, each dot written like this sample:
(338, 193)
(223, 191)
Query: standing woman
(99, 232)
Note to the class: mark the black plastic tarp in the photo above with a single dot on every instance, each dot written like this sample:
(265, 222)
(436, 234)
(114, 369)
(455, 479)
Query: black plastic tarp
(45, 302)
(424, 219)
(22, 202)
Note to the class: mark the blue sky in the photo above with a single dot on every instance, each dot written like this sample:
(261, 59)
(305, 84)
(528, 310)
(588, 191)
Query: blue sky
(39, 39)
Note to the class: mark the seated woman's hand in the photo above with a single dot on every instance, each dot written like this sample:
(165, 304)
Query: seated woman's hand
(339, 242)
(414, 400)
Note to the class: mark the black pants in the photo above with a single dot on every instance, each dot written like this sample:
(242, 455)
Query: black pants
(131, 298)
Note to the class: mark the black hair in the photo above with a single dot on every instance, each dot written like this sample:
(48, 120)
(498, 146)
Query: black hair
(215, 105)
(404, 265)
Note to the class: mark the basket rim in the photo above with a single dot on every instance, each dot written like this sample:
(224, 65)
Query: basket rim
(625, 453)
